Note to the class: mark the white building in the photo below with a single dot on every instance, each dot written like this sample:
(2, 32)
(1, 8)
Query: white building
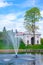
(28, 37)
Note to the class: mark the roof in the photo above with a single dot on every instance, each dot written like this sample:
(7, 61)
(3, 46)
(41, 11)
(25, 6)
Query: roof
(20, 33)
(27, 33)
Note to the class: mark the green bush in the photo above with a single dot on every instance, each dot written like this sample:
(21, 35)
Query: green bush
(42, 41)
(22, 45)
(4, 45)
(35, 46)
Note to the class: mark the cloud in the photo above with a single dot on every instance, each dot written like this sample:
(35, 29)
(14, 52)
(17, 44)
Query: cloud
(4, 3)
(6, 20)
(42, 13)
(8, 24)
(11, 16)
(27, 3)
(19, 24)
(11, 21)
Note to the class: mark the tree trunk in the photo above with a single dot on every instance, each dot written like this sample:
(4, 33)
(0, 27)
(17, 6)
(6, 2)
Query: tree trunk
(33, 31)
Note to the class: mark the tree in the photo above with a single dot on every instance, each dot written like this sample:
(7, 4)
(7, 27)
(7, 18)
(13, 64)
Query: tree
(4, 29)
(31, 17)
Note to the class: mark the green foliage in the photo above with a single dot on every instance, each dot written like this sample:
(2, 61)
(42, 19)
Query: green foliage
(35, 46)
(22, 45)
(1, 35)
(41, 41)
(1, 44)
(31, 16)
(5, 45)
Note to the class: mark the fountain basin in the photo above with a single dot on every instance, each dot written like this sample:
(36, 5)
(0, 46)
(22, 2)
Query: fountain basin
(20, 59)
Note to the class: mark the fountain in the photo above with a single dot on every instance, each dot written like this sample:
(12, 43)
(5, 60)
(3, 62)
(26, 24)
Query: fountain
(15, 39)
(16, 59)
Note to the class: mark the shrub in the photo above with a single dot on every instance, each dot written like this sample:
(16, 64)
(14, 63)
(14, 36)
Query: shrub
(22, 45)
(41, 41)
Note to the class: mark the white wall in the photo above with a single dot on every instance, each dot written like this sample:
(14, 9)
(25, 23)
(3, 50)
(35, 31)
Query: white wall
(28, 37)
(37, 38)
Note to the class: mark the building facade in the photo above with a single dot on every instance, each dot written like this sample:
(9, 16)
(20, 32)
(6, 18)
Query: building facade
(28, 38)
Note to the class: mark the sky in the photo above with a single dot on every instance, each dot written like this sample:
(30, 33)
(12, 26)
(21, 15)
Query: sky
(12, 14)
